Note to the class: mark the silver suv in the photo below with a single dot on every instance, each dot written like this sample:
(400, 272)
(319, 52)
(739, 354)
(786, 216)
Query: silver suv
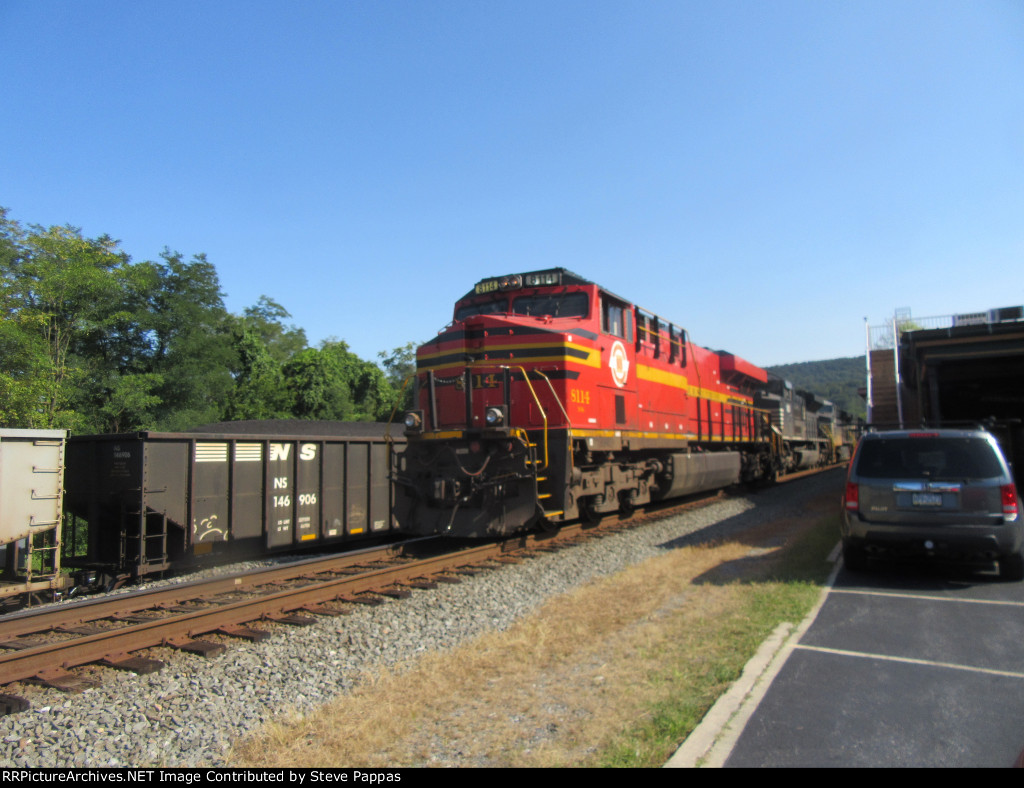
(937, 494)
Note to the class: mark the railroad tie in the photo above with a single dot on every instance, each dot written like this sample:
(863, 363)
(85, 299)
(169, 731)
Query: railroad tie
(140, 665)
(60, 679)
(244, 633)
(203, 648)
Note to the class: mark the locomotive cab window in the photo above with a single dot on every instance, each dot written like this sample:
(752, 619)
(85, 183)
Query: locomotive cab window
(678, 340)
(496, 306)
(646, 333)
(616, 319)
(574, 304)
(664, 338)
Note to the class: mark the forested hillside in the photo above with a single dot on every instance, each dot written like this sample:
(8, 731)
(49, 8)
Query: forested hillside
(91, 341)
(836, 379)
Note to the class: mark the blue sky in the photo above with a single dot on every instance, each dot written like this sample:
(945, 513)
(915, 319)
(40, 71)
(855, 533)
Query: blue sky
(765, 173)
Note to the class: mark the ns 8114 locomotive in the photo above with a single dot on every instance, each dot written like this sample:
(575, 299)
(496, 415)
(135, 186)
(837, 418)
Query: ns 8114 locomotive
(548, 398)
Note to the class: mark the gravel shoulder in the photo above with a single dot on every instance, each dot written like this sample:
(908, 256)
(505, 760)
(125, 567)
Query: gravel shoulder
(193, 712)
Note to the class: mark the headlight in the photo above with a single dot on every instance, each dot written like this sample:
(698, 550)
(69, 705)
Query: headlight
(495, 417)
(413, 420)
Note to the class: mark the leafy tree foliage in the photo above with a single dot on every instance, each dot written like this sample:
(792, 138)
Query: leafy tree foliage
(332, 383)
(400, 366)
(190, 342)
(836, 379)
(91, 342)
(265, 320)
(60, 292)
(259, 391)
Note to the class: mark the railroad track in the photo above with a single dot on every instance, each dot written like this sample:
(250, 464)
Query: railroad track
(45, 645)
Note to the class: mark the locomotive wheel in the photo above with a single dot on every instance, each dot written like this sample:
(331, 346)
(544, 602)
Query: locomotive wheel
(626, 506)
(543, 523)
(588, 510)
(770, 477)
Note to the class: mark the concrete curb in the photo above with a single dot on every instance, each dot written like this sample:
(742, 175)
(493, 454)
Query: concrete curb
(713, 740)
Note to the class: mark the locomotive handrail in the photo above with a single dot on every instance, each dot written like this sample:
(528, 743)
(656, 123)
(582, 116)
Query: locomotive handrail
(543, 413)
(775, 436)
(555, 395)
(829, 436)
(568, 424)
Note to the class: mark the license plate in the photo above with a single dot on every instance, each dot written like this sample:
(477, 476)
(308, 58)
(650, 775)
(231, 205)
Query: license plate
(927, 499)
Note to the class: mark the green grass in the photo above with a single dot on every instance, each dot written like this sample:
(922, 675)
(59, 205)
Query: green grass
(715, 657)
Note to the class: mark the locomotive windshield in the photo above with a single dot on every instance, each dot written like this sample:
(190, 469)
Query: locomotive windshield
(495, 306)
(554, 304)
(575, 304)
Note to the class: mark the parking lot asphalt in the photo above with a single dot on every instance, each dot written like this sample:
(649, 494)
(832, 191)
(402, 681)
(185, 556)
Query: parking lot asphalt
(902, 666)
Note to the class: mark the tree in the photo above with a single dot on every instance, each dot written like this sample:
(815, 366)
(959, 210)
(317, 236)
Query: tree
(399, 367)
(333, 383)
(59, 290)
(265, 321)
(22, 353)
(373, 397)
(91, 342)
(317, 384)
(189, 342)
(129, 403)
(260, 391)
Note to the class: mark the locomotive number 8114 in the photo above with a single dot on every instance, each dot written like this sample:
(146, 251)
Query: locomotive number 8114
(549, 398)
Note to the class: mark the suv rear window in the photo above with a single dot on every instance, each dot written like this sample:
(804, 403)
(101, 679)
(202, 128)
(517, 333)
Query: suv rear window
(928, 458)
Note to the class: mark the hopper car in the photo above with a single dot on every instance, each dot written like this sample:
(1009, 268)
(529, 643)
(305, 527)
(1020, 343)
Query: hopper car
(31, 485)
(550, 398)
(144, 503)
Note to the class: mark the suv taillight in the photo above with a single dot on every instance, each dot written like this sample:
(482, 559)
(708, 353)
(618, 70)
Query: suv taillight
(852, 496)
(1011, 503)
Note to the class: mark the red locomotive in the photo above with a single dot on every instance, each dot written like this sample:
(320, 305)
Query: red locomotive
(549, 398)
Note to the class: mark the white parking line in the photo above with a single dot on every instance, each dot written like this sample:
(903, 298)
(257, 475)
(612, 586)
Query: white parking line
(842, 652)
(929, 598)
(711, 743)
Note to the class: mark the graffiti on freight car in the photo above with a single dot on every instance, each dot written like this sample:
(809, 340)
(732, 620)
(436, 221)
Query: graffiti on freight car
(207, 528)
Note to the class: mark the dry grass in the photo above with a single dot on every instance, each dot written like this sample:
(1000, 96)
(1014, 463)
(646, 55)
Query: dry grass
(558, 689)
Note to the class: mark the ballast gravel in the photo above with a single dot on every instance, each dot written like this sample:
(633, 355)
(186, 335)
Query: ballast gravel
(190, 713)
